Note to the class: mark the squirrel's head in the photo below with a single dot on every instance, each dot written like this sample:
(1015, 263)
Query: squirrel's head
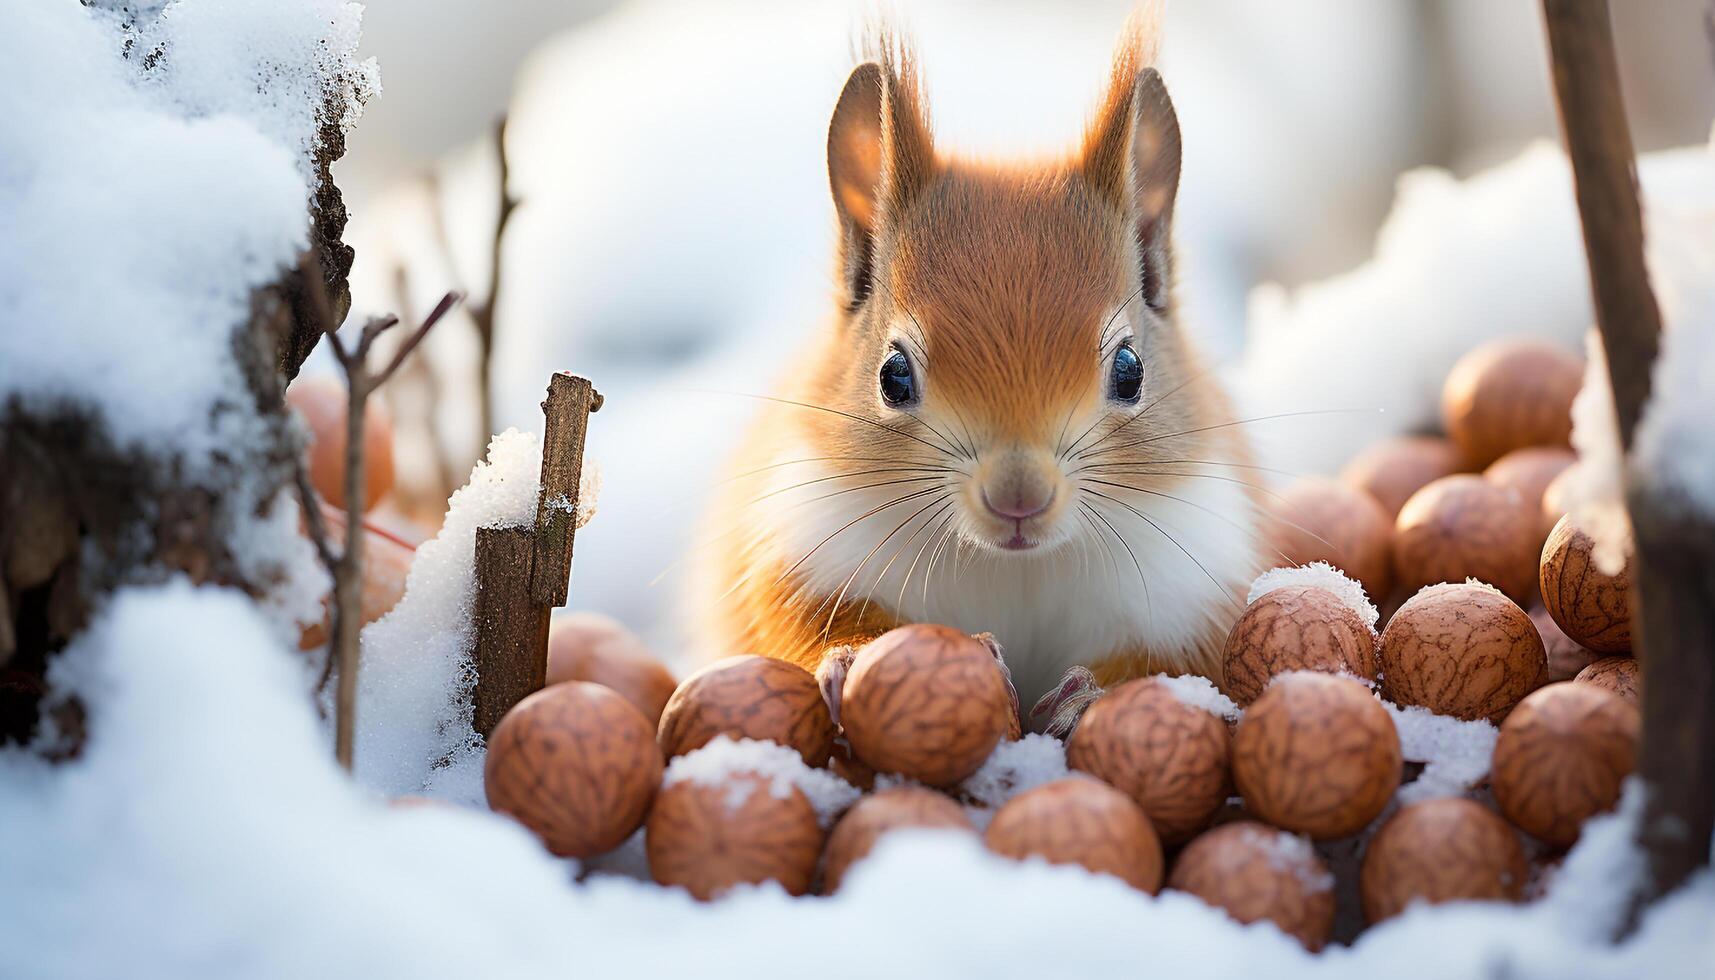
(1009, 328)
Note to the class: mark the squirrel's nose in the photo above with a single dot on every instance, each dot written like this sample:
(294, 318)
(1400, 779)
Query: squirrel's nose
(1019, 506)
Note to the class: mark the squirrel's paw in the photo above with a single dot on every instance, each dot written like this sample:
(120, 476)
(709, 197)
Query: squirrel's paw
(1066, 702)
(831, 677)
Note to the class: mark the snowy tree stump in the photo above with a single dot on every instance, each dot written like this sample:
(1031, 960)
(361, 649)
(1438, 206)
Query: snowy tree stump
(1674, 595)
(522, 574)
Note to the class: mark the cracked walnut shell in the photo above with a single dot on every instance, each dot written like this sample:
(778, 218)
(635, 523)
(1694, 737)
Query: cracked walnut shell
(1442, 850)
(1461, 650)
(927, 702)
(1254, 872)
(749, 697)
(1168, 756)
(1316, 754)
(1080, 821)
(1561, 757)
(576, 764)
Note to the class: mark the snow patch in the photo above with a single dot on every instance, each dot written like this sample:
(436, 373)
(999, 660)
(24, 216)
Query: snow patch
(1455, 753)
(1014, 767)
(1317, 575)
(781, 768)
(1200, 692)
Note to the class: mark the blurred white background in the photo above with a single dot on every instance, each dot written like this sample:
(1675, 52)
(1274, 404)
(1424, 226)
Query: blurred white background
(674, 230)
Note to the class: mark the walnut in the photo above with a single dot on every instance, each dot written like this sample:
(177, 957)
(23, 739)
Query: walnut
(707, 837)
(871, 817)
(1510, 394)
(1295, 628)
(1593, 608)
(1463, 526)
(1443, 850)
(1561, 757)
(1617, 674)
(576, 764)
(1394, 469)
(927, 702)
(1168, 756)
(1530, 471)
(749, 697)
(1080, 821)
(1316, 754)
(1461, 650)
(586, 646)
(1318, 519)
(1254, 872)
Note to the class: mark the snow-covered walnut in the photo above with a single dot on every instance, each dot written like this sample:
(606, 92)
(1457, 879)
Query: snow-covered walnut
(749, 697)
(1080, 821)
(1254, 872)
(577, 764)
(586, 646)
(1461, 650)
(1295, 628)
(1444, 850)
(1394, 469)
(1317, 754)
(1169, 756)
(1592, 607)
(1510, 394)
(1318, 519)
(927, 702)
(1561, 757)
(1463, 526)
(889, 810)
(746, 829)
(1618, 674)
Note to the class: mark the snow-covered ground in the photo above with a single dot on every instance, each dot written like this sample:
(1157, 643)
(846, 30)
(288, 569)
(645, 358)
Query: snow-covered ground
(204, 829)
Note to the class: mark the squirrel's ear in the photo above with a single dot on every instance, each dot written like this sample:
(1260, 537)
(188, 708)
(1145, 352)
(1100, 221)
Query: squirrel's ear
(878, 155)
(1131, 156)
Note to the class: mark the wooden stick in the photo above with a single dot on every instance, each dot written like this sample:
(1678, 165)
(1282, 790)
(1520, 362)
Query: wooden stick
(570, 401)
(511, 629)
(1673, 592)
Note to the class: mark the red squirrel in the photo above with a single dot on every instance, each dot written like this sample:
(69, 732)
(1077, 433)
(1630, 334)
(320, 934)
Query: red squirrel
(1004, 426)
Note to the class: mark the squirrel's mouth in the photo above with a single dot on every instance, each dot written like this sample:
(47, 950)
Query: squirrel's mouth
(1018, 542)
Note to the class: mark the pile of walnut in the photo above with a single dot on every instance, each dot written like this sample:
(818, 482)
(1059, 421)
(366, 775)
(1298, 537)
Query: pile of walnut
(1164, 789)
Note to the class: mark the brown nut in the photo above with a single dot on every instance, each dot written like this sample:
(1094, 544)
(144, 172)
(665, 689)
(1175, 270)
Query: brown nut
(1444, 850)
(1510, 394)
(1317, 754)
(1168, 756)
(1394, 469)
(749, 697)
(1561, 757)
(1254, 872)
(873, 816)
(1461, 650)
(1566, 656)
(321, 403)
(1080, 821)
(1617, 674)
(575, 763)
(1593, 608)
(1554, 500)
(1295, 628)
(586, 646)
(927, 702)
(745, 829)
(1318, 519)
(1461, 527)
(1530, 471)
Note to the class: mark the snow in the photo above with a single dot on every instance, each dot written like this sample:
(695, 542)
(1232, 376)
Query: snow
(1456, 263)
(206, 831)
(1200, 692)
(1317, 575)
(1012, 768)
(782, 767)
(1440, 587)
(415, 676)
(1455, 753)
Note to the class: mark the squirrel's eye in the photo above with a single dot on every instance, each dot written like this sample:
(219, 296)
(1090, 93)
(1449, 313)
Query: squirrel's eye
(898, 385)
(1127, 374)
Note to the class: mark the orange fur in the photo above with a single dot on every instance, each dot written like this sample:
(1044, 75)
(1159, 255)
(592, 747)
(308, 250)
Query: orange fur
(1004, 285)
